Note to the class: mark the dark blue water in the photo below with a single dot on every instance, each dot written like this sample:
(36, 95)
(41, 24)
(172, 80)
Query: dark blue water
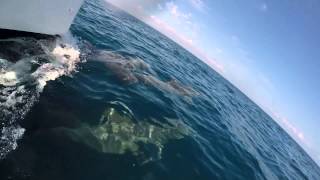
(95, 123)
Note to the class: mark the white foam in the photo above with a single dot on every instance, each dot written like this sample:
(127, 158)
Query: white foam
(70, 51)
(11, 75)
(8, 78)
(19, 94)
(65, 60)
(9, 138)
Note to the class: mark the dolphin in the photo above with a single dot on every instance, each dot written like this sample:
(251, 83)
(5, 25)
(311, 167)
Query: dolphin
(172, 86)
(119, 133)
(134, 70)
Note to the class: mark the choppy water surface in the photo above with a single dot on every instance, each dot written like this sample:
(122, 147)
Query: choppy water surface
(115, 99)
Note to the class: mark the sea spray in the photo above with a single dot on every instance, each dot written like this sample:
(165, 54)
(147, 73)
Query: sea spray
(22, 80)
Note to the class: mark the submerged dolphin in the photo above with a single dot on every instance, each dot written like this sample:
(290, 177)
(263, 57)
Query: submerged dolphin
(172, 86)
(119, 133)
(124, 69)
(130, 71)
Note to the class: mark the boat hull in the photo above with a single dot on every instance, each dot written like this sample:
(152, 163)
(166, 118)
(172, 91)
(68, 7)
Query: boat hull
(38, 16)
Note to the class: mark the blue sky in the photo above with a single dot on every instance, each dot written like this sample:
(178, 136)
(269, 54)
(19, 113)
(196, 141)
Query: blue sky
(268, 49)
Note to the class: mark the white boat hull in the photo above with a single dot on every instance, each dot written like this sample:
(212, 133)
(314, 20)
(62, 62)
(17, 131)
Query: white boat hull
(39, 16)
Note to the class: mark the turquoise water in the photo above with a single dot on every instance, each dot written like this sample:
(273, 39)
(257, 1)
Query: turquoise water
(136, 106)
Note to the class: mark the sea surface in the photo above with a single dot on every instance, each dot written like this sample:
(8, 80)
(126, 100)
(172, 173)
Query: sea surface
(116, 99)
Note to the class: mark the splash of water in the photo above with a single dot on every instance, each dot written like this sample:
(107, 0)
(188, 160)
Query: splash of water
(22, 81)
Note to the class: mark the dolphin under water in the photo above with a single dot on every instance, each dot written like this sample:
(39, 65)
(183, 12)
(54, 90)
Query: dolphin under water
(134, 70)
(172, 86)
(119, 133)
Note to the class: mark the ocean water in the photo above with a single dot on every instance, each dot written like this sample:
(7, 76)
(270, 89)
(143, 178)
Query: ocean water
(115, 99)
